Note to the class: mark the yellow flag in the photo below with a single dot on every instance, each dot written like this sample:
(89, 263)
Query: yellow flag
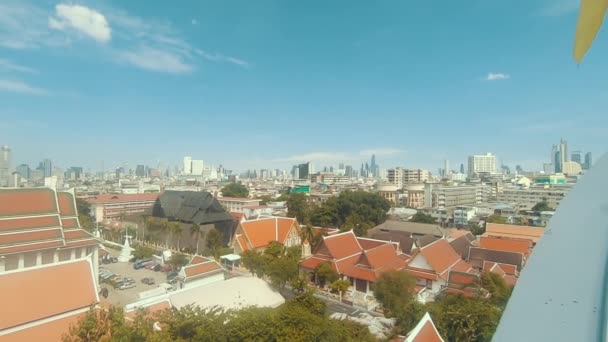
(590, 17)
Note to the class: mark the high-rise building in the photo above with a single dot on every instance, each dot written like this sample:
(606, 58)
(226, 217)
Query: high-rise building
(373, 166)
(5, 165)
(197, 167)
(24, 171)
(140, 170)
(462, 168)
(187, 165)
(348, 171)
(305, 170)
(577, 156)
(47, 167)
(446, 168)
(74, 172)
(588, 161)
(482, 164)
(563, 150)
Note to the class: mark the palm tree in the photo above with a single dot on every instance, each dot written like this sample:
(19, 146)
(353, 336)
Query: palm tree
(164, 228)
(176, 230)
(195, 230)
(307, 233)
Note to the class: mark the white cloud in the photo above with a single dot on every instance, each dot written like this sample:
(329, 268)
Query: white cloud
(556, 8)
(20, 87)
(82, 19)
(156, 60)
(6, 64)
(380, 152)
(497, 76)
(218, 57)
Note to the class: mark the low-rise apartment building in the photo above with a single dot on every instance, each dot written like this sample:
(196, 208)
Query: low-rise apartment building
(236, 204)
(527, 198)
(113, 206)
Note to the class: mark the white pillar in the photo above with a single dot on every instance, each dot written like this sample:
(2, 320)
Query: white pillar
(21, 263)
(367, 286)
(83, 252)
(38, 258)
(95, 261)
(72, 253)
(56, 256)
(2, 263)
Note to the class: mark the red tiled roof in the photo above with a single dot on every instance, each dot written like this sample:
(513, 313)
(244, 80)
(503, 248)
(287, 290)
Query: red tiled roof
(81, 243)
(422, 273)
(69, 223)
(150, 309)
(122, 198)
(66, 204)
(201, 269)
(523, 246)
(49, 331)
(237, 216)
(197, 259)
(261, 232)
(29, 222)
(242, 242)
(325, 231)
(510, 280)
(370, 243)
(312, 262)
(238, 199)
(342, 245)
(31, 236)
(424, 331)
(37, 293)
(76, 234)
(440, 255)
(31, 247)
(16, 202)
(509, 230)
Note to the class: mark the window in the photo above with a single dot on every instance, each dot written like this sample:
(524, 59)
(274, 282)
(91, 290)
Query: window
(429, 284)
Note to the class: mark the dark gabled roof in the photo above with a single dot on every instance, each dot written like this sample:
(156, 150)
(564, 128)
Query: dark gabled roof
(410, 227)
(461, 245)
(426, 240)
(477, 255)
(405, 239)
(190, 206)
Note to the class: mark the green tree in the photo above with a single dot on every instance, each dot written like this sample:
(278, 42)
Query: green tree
(235, 190)
(394, 290)
(326, 274)
(83, 207)
(500, 291)
(307, 233)
(264, 199)
(421, 217)
(496, 219)
(142, 252)
(215, 242)
(86, 223)
(274, 250)
(542, 206)
(460, 318)
(409, 317)
(253, 262)
(281, 271)
(298, 207)
(340, 286)
(477, 229)
(178, 260)
(175, 228)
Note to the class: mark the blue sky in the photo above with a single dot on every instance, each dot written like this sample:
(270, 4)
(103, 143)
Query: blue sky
(255, 84)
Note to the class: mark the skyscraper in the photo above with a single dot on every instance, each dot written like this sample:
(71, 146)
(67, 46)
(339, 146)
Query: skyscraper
(461, 168)
(446, 168)
(482, 164)
(588, 161)
(24, 171)
(187, 165)
(140, 170)
(373, 166)
(576, 156)
(5, 165)
(47, 167)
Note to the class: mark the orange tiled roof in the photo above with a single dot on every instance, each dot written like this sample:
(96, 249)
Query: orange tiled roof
(523, 246)
(509, 230)
(424, 331)
(37, 293)
(66, 204)
(29, 222)
(202, 269)
(49, 331)
(242, 242)
(370, 243)
(69, 223)
(122, 198)
(341, 245)
(197, 259)
(440, 255)
(150, 309)
(313, 262)
(261, 232)
(507, 268)
(31, 247)
(31, 201)
(17, 238)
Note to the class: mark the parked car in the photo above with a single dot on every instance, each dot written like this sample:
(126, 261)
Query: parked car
(171, 275)
(157, 267)
(114, 260)
(148, 281)
(141, 264)
(151, 265)
(127, 285)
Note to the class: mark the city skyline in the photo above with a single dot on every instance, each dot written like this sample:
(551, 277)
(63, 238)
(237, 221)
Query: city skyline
(209, 87)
